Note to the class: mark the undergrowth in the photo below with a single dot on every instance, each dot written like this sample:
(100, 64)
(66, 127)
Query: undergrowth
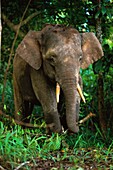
(18, 145)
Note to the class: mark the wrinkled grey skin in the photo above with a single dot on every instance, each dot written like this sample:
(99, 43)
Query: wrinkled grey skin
(43, 58)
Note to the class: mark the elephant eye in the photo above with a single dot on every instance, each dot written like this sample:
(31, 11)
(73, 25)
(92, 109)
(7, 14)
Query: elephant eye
(80, 57)
(51, 60)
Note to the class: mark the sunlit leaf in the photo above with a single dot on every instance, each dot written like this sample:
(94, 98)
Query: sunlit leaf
(5, 107)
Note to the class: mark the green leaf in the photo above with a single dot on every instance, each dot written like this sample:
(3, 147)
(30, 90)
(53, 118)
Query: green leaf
(85, 94)
(103, 10)
(97, 14)
(98, 66)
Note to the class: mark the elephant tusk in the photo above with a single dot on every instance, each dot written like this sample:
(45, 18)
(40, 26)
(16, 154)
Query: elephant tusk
(57, 92)
(80, 93)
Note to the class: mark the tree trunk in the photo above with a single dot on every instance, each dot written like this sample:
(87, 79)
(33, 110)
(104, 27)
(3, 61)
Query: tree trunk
(101, 107)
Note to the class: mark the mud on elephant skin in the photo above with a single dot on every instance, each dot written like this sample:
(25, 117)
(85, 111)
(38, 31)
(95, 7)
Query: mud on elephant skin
(43, 58)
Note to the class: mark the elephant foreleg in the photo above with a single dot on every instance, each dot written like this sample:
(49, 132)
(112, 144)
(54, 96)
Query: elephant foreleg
(27, 110)
(45, 93)
(17, 100)
(23, 108)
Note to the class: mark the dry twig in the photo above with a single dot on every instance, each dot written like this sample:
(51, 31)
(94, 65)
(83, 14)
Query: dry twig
(86, 118)
(22, 164)
(2, 168)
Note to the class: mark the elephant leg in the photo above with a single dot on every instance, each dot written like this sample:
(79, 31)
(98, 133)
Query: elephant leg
(23, 108)
(28, 108)
(45, 93)
(18, 101)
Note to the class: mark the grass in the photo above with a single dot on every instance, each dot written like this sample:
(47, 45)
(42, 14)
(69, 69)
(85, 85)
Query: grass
(18, 146)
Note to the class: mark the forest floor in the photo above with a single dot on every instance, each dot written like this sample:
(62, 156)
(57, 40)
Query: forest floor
(85, 159)
(88, 164)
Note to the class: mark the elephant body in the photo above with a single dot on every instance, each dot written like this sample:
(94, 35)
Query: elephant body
(53, 55)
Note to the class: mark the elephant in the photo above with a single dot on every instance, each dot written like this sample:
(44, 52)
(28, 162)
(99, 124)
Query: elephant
(43, 58)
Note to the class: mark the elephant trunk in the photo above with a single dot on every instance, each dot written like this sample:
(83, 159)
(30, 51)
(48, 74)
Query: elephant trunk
(69, 87)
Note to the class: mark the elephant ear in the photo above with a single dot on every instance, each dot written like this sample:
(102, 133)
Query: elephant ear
(92, 50)
(29, 49)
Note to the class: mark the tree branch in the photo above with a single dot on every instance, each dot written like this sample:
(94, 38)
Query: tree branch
(29, 18)
(12, 26)
(11, 53)
(15, 27)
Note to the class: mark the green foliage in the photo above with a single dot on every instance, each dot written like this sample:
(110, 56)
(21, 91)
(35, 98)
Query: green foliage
(18, 146)
(52, 144)
(8, 103)
(108, 40)
(105, 10)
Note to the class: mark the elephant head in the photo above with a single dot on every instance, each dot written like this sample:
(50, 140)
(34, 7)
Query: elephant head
(60, 52)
